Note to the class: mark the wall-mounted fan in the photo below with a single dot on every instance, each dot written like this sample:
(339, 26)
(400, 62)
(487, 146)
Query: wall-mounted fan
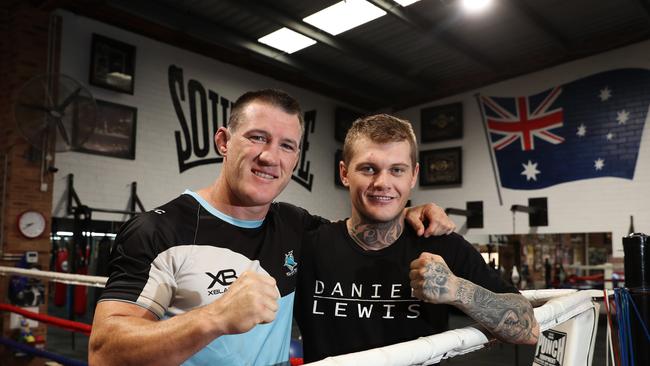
(54, 112)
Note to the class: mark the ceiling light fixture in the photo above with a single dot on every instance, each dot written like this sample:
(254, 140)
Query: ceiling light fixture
(406, 2)
(344, 16)
(475, 6)
(284, 39)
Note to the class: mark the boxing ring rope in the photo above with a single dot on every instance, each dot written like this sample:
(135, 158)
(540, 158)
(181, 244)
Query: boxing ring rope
(67, 278)
(41, 353)
(61, 323)
(71, 279)
(561, 306)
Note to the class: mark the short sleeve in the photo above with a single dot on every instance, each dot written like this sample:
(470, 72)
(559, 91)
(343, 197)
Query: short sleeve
(139, 270)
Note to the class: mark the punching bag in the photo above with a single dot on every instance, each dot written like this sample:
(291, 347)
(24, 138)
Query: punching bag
(61, 265)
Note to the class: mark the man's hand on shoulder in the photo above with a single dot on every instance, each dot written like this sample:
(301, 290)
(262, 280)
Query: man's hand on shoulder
(438, 223)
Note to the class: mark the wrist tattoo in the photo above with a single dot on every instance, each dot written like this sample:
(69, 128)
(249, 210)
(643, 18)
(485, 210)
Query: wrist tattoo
(464, 293)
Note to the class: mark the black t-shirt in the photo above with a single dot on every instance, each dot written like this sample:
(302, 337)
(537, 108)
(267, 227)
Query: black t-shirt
(348, 299)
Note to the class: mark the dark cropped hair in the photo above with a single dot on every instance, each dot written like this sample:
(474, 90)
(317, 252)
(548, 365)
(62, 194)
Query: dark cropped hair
(273, 97)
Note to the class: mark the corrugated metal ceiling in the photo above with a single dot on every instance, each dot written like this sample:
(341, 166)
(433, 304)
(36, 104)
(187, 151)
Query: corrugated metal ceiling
(427, 50)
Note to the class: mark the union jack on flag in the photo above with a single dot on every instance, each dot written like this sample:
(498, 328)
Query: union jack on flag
(525, 123)
(588, 128)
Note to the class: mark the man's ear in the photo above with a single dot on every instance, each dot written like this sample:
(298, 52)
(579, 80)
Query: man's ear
(343, 172)
(416, 174)
(221, 140)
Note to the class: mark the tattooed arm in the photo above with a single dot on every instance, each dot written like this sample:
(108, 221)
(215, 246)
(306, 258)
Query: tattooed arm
(509, 317)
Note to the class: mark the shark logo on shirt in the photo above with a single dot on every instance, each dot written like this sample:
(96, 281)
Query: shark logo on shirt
(290, 263)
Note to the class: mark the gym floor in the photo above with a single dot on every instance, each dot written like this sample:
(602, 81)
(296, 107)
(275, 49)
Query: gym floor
(76, 346)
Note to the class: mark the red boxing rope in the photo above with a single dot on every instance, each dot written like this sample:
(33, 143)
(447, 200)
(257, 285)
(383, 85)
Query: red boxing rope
(61, 323)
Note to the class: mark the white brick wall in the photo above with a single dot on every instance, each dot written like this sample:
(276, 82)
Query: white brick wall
(594, 205)
(104, 182)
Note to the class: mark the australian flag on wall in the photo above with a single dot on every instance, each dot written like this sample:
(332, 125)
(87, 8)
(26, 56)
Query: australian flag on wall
(589, 128)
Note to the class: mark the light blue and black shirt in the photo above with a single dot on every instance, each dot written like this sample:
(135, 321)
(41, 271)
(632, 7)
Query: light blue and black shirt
(186, 254)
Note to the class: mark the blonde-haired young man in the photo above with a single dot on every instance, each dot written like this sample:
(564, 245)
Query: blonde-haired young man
(370, 281)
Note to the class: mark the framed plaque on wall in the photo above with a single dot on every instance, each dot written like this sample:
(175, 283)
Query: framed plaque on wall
(114, 133)
(441, 167)
(112, 64)
(441, 123)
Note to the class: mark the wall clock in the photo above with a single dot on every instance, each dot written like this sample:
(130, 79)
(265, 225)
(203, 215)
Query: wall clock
(31, 224)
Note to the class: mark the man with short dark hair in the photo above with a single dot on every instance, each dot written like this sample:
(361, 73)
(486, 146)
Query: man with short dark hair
(209, 277)
(370, 281)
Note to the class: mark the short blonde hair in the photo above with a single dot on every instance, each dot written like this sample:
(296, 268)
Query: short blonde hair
(380, 128)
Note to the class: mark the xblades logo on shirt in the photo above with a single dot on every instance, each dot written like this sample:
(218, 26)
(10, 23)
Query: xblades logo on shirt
(225, 278)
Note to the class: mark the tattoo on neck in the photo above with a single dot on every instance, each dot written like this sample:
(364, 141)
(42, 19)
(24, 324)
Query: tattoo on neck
(375, 236)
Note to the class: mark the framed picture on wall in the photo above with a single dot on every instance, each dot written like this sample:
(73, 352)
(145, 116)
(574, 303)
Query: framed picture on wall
(114, 133)
(443, 122)
(343, 119)
(441, 167)
(112, 64)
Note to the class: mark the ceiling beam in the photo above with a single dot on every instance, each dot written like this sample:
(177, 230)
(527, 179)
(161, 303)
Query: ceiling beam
(359, 52)
(168, 25)
(645, 4)
(432, 32)
(541, 23)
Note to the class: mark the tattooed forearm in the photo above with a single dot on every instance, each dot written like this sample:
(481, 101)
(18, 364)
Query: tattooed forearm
(509, 317)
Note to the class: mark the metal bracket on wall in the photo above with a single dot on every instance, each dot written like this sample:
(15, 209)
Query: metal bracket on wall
(473, 212)
(74, 203)
(537, 211)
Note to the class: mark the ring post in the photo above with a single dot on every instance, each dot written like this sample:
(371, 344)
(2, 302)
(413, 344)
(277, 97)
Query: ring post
(636, 248)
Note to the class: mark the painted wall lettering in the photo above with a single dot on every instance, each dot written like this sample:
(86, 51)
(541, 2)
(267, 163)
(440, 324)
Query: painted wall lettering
(302, 175)
(195, 142)
(207, 112)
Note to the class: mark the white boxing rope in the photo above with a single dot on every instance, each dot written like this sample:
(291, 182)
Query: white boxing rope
(567, 329)
(560, 309)
(542, 296)
(67, 278)
(562, 305)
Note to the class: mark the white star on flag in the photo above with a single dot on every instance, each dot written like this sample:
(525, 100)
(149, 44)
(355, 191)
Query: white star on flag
(610, 136)
(622, 116)
(530, 171)
(582, 130)
(605, 94)
(599, 164)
